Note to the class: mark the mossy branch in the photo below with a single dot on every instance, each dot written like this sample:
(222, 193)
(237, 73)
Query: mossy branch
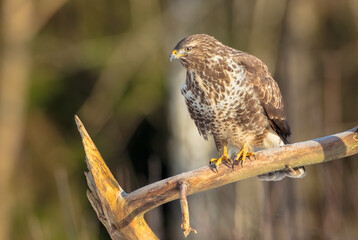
(122, 213)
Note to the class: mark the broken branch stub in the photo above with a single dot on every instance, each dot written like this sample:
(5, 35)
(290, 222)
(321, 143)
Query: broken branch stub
(108, 198)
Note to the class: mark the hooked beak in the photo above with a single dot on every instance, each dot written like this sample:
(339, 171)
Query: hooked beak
(175, 55)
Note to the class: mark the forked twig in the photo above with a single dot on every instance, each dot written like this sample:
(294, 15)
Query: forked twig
(185, 210)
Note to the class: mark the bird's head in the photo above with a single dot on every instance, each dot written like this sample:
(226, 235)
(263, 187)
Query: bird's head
(193, 48)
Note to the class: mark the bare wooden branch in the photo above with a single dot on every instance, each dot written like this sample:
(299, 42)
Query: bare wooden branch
(122, 213)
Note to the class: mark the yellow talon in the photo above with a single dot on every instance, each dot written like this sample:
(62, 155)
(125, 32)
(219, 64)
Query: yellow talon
(225, 156)
(243, 154)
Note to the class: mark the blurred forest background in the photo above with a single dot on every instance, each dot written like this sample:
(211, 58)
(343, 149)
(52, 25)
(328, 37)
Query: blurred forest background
(107, 61)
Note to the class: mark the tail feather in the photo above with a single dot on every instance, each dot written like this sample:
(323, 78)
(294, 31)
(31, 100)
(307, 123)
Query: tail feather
(297, 172)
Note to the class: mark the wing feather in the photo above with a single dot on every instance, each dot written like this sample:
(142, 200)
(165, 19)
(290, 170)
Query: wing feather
(269, 94)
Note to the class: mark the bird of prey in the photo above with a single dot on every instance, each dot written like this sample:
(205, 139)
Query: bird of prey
(232, 96)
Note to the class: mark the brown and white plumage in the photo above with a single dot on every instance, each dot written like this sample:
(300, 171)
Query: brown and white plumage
(232, 96)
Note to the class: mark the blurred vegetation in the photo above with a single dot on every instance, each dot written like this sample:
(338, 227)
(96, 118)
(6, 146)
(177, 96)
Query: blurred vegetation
(108, 62)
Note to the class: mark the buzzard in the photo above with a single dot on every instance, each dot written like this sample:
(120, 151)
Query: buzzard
(232, 96)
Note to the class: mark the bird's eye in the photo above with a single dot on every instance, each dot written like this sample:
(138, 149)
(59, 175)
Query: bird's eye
(188, 49)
